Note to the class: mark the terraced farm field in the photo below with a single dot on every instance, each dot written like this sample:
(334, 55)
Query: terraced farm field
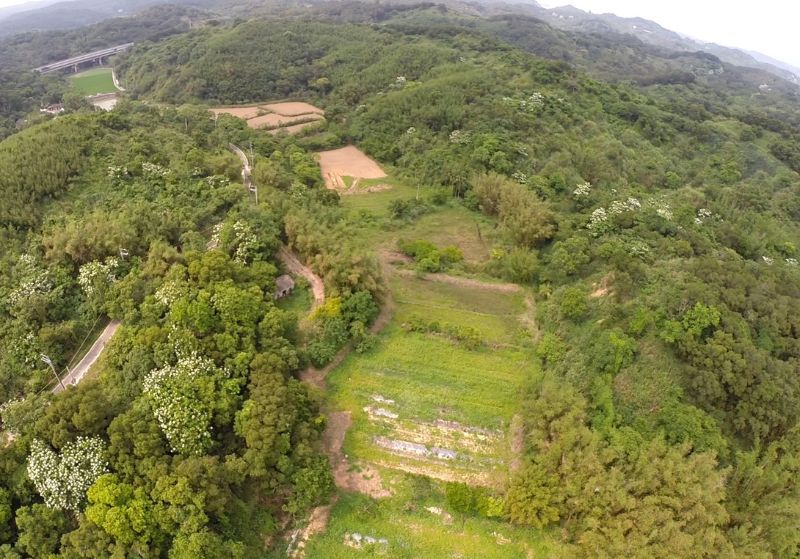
(290, 117)
(425, 404)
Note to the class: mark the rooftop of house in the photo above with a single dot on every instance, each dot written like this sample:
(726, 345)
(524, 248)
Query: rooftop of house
(284, 282)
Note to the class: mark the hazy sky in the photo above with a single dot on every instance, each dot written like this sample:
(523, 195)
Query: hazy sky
(768, 26)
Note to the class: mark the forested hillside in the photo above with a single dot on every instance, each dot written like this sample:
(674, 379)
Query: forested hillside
(195, 436)
(647, 201)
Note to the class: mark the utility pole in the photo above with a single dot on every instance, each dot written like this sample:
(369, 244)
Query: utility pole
(49, 361)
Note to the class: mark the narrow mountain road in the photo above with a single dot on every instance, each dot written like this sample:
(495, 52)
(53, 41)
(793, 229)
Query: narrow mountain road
(246, 169)
(77, 373)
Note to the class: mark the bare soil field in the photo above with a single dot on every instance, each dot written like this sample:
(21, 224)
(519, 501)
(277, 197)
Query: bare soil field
(273, 120)
(240, 112)
(293, 108)
(295, 128)
(290, 116)
(348, 161)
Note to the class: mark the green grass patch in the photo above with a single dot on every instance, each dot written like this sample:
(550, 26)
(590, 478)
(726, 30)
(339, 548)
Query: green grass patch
(412, 531)
(495, 315)
(433, 379)
(298, 302)
(94, 81)
(377, 203)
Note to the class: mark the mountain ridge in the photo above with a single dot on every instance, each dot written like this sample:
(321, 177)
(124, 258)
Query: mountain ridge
(574, 19)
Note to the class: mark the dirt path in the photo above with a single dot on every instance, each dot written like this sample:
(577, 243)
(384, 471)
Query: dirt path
(317, 522)
(362, 478)
(516, 442)
(116, 81)
(464, 282)
(78, 372)
(296, 267)
(316, 377)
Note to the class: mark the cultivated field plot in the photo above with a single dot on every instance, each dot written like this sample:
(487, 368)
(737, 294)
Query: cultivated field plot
(93, 82)
(349, 162)
(290, 117)
(415, 523)
(425, 404)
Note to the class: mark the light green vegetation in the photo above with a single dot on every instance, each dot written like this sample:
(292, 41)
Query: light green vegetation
(433, 379)
(414, 532)
(299, 301)
(376, 203)
(94, 81)
(495, 315)
(448, 225)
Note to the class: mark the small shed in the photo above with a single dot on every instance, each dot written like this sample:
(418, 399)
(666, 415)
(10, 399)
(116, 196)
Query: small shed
(283, 286)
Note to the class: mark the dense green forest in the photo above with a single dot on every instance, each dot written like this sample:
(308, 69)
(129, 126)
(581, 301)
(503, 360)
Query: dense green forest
(651, 202)
(196, 394)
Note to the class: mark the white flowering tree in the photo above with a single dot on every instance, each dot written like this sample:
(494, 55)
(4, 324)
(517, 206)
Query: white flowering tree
(183, 396)
(582, 190)
(93, 276)
(33, 279)
(154, 171)
(63, 478)
(238, 238)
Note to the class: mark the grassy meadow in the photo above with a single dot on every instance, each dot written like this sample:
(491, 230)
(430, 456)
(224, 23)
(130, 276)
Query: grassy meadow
(94, 81)
(409, 522)
(427, 408)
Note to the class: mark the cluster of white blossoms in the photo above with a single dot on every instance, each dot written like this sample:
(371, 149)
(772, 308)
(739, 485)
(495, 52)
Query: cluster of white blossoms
(598, 219)
(638, 249)
(399, 82)
(182, 416)
(93, 272)
(791, 261)
(530, 104)
(661, 207)
(5, 410)
(246, 242)
(768, 260)
(117, 172)
(34, 279)
(63, 478)
(520, 177)
(28, 349)
(459, 137)
(168, 293)
(411, 130)
(621, 206)
(154, 170)
(215, 233)
(582, 190)
(703, 215)
(217, 181)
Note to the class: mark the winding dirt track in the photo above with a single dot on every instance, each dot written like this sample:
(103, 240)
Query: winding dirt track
(296, 267)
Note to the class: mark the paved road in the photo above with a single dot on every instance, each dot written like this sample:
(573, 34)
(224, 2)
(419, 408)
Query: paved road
(245, 165)
(77, 373)
(88, 57)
